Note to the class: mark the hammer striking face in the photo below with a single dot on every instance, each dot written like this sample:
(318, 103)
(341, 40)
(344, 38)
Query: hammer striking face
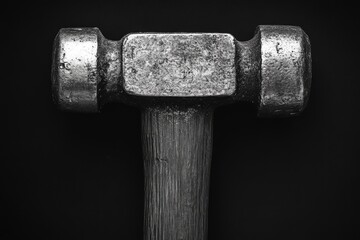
(178, 79)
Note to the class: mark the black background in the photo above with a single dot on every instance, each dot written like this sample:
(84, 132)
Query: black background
(74, 176)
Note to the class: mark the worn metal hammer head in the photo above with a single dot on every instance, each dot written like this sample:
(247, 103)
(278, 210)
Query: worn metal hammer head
(272, 70)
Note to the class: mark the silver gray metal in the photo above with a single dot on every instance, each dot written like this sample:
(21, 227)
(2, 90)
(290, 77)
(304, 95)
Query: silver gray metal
(285, 70)
(179, 65)
(75, 75)
(273, 69)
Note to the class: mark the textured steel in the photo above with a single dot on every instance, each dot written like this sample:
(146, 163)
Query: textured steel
(285, 70)
(179, 65)
(272, 70)
(75, 74)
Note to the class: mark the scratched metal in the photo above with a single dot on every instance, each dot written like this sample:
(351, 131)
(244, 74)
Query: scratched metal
(179, 65)
(285, 70)
(272, 70)
(74, 73)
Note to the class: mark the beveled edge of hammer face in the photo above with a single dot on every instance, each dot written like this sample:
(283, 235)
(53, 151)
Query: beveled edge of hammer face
(179, 64)
(74, 73)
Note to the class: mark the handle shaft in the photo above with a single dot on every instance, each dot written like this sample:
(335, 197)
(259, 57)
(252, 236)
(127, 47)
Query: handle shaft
(177, 146)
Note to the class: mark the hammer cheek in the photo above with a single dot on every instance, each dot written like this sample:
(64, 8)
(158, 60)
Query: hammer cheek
(179, 65)
(74, 70)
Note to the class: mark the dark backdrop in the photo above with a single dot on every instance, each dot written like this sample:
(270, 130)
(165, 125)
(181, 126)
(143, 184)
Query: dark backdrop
(74, 176)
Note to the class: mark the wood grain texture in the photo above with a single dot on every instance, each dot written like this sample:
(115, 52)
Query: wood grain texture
(177, 146)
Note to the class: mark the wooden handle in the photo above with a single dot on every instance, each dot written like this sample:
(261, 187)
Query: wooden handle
(177, 147)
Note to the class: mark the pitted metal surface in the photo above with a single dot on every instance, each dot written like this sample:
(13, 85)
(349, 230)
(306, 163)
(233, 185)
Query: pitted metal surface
(179, 64)
(75, 75)
(285, 70)
(272, 70)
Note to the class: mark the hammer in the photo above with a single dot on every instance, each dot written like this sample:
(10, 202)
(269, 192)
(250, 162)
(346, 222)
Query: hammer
(178, 79)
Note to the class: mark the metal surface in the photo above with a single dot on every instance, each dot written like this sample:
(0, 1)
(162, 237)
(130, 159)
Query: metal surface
(179, 65)
(285, 70)
(75, 77)
(273, 69)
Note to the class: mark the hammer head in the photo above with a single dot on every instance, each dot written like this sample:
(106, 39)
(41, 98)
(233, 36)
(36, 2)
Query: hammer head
(185, 65)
